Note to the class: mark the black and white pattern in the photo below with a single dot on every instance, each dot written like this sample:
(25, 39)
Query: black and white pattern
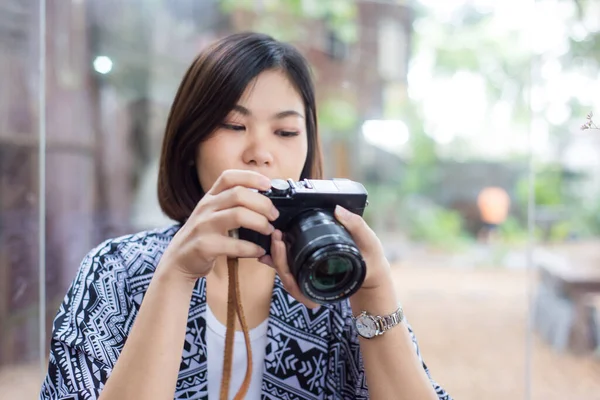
(310, 354)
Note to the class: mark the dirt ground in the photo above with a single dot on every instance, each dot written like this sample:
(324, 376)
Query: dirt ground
(471, 325)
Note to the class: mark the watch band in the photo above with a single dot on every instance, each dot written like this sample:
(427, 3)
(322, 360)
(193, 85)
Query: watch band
(387, 322)
(378, 324)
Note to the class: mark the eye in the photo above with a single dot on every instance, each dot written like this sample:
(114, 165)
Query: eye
(233, 127)
(286, 133)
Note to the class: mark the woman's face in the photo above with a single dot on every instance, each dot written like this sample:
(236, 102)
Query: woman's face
(266, 132)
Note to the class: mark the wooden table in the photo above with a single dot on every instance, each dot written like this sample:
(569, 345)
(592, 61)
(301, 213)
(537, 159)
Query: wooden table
(563, 312)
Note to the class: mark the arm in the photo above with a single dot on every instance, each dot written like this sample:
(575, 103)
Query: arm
(392, 364)
(98, 311)
(90, 329)
(148, 366)
(149, 363)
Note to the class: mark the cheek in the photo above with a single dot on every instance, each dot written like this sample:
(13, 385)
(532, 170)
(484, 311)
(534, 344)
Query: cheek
(296, 159)
(204, 175)
(209, 158)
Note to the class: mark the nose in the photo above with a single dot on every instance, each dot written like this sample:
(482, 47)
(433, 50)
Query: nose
(257, 152)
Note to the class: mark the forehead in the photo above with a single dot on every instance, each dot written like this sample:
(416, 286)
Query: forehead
(271, 90)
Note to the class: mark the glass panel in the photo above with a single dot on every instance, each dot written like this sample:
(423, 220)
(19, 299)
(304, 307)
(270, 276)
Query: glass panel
(420, 102)
(427, 103)
(566, 305)
(19, 198)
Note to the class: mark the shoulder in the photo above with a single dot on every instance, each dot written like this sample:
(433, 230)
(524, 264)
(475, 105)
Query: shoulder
(117, 271)
(107, 290)
(128, 255)
(132, 246)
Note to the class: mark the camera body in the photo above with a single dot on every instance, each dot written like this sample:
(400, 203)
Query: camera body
(321, 254)
(293, 198)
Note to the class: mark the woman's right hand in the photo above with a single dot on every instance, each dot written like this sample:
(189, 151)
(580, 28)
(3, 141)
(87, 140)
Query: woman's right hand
(229, 204)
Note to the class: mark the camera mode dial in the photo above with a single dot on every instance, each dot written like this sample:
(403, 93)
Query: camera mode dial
(280, 187)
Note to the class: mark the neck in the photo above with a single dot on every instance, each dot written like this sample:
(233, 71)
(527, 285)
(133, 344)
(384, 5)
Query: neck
(251, 272)
(256, 288)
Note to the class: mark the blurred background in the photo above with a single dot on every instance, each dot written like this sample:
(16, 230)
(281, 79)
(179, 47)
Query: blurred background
(463, 118)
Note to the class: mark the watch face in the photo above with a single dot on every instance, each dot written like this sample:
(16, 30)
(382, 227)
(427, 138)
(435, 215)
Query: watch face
(365, 325)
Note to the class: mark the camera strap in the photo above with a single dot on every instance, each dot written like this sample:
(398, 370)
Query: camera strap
(234, 306)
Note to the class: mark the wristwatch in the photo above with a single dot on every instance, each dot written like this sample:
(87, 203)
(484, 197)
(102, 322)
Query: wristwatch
(369, 326)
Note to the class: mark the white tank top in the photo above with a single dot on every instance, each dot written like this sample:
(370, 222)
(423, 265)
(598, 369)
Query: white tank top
(215, 342)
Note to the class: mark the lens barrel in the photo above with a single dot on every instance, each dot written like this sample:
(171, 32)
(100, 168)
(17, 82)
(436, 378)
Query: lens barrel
(323, 257)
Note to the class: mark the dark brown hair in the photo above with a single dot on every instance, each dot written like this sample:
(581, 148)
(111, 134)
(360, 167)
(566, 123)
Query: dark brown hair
(208, 92)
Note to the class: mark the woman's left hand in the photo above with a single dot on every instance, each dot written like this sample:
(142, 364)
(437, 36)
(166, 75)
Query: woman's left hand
(378, 268)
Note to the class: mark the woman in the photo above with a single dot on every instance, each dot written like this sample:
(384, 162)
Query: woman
(244, 114)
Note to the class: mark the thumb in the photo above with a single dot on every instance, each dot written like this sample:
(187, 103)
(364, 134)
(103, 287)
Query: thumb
(362, 234)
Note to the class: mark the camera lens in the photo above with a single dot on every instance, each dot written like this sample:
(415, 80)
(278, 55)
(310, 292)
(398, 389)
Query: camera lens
(331, 273)
(323, 258)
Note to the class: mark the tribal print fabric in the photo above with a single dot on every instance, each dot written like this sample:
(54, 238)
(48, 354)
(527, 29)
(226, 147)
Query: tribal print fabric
(310, 354)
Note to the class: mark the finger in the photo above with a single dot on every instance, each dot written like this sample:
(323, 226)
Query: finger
(236, 177)
(362, 234)
(279, 257)
(212, 246)
(267, 260)
(242, 196)
(240, 217)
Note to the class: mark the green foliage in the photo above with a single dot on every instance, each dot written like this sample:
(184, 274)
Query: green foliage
(551, 187)
(584, 220)
(438, 226)
(381, 197)
(512, 232)
(548, 188)
(591, 216)
(339, 15)
(582, 50)
(554, 198)
(421, 170)
(560, 231)
(337, 117)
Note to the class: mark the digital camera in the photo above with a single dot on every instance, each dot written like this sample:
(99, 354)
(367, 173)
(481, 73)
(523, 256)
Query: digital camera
(321, 254)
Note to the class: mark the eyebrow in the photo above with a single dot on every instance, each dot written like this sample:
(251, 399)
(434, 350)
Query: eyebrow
(280, 115)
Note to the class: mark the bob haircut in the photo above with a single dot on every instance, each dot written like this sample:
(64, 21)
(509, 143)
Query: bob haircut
(208, 92)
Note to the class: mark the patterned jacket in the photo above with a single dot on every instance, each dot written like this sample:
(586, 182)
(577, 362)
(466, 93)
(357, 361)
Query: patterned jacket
(310, 354)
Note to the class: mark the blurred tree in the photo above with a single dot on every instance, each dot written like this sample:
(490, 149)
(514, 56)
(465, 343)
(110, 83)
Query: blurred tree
(420, 174)
(327, 32)
(339, 16)
(338, 116)
(501, 56)
(549, 187)
(504, 58)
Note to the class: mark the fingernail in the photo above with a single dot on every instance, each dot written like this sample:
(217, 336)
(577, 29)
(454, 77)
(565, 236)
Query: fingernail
(274, 213)
(266, 183)
(342, 212)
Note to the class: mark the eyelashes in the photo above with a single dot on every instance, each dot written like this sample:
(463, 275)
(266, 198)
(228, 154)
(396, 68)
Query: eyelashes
(287, 133)
(241, 128)
(233, 127)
